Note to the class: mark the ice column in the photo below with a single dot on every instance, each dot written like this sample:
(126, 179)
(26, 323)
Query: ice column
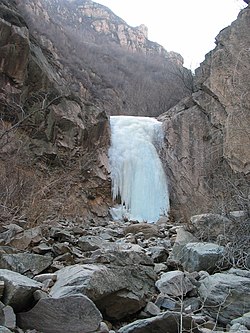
(139, 183)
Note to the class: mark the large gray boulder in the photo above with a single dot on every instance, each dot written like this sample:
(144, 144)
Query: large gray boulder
(71, 314)
(203, 257)
(18, 292)
(25, 262)
(183, 237)
(226, 296)
(209, 226)
(117, 291)
(167, 322)
(174, 283)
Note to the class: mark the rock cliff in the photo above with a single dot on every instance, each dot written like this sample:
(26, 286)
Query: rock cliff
(53, 143)
(207, 135)
(94, 22)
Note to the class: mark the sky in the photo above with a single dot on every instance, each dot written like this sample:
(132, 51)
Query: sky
(188, 27)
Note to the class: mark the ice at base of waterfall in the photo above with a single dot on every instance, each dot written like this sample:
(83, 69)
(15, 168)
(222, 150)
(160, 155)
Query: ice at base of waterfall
(138, 179)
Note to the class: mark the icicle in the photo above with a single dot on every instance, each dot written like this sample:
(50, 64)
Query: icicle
(138, 178)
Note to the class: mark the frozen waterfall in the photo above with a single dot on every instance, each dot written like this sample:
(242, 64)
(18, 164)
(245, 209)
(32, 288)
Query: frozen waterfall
(138, 180)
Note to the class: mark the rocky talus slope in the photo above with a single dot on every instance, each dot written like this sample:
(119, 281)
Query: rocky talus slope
(207, 135)
(121, 277)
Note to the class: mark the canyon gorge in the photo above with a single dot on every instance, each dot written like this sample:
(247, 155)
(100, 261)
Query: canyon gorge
(68, 69)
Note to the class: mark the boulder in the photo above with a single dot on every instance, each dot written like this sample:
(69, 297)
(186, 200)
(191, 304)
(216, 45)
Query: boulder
(168, 322)
(208, 227)
(226, 296)
(25, 262)
(117, 291)
(158, 253)
(174, 283)
(91, 243)
(18, 292)
(244, 320)
(167, 303)
(148, 230)
(151, 310)
(238, 328)
(203, 257)
(120, 257)
(71, 314)
(183, 237)
(30, 236)
(7, 316)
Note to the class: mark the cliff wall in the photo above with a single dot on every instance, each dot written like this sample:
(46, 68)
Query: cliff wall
(207, 149)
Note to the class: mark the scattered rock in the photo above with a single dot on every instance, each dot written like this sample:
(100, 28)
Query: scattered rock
(203, 256)
(150, 310)
(28, 237)
(148, 230)
(71, 314)
(174, 283)
(209, 226)
(167, 303)
(226, 295)
(244, 320)
(183, 237)
(166, 322)
(238, 328)
(18, 292)
(158, 253)
(25, 262)
(7, 317)
(117, 291)
(91, 243)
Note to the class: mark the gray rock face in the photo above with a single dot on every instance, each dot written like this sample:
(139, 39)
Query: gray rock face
(174, 283)
(15, 48)
(168, 322)
(18, 292)
(226, 295)
(203, 257)
(207, 150)
(71, 314)
(117, 291)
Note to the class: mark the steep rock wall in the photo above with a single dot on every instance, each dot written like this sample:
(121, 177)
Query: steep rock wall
(53, 143)
(207, 136)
